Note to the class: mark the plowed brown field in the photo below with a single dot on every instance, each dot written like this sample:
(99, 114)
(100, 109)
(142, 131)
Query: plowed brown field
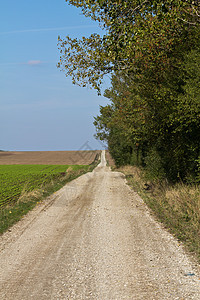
(109, 159)
(48, 157)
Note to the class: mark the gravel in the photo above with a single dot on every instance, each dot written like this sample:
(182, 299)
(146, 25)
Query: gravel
(95, 239)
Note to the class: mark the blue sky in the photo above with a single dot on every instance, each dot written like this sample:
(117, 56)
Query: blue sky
(40, 109)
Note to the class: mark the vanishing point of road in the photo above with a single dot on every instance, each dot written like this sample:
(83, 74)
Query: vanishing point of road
(94, 239)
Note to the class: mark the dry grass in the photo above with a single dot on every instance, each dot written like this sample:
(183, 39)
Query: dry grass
(26, 196)
(131, 170)
(184, 196)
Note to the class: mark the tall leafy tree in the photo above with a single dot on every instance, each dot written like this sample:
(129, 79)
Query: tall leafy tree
(134, 30)
(152, 50)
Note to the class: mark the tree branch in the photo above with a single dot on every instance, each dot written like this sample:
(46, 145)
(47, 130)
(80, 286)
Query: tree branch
(185, 21)
(139, 6)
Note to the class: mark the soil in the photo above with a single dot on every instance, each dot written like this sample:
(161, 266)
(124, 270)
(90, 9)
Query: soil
(47, 157)
(94, 239)
(109, 159)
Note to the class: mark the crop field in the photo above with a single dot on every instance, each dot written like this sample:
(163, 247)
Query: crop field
(48, 157)
(109, 159)
(16, 179)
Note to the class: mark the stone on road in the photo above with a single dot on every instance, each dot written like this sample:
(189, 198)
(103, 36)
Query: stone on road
(94, 239)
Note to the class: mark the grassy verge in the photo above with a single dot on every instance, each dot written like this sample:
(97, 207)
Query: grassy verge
(177, 206)
(12, 213)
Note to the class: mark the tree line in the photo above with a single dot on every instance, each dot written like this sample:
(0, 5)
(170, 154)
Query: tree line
(151, 49)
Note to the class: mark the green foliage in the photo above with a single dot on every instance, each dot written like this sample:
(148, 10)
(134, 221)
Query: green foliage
(14, 210)
(198, 169)
(139, 34)
(119, 148)
(151, 48)
(103, 123)
(154, 166)
(163, 118)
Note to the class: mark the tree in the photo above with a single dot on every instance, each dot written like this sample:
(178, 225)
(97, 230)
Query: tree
(151, 48)
(159, 118)
(134, 30)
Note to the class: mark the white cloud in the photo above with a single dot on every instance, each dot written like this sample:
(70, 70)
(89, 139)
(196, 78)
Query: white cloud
(47, 29)
(30, 63)
(34, 62)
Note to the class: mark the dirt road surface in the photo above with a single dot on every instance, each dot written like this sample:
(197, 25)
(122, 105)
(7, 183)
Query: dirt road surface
(94, 239)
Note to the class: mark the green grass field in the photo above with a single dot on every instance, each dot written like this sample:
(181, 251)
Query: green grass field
(22, 187)
(17, 179)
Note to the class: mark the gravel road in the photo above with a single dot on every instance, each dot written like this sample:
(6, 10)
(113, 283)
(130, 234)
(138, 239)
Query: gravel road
(94, 239)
